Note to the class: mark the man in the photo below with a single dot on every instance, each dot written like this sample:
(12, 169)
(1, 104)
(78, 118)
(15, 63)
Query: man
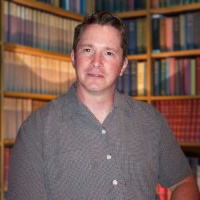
(94, 143)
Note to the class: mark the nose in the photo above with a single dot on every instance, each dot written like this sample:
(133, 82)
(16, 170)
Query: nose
(97, 60)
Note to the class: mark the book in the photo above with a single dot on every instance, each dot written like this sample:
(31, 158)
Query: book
(132, 36)
(187, 76)
(163, 80)
(189, 30)
(198, 75)
(172, 76)
(156, 33)
(141, 78)
(196, 29)
(176, 33)
(182, 20)
(6, 22)
(169, 29)
(7, 154)
(133, 65)
(156, 77)
(13, 22)
(162, 34)
(127, 80)
(193, 76)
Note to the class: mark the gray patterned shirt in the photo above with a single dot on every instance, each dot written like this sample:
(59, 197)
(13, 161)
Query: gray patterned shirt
(62, 152)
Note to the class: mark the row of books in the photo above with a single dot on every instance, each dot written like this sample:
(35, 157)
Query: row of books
(120, 5)
(166, 3)
(176, 76)
(81, 6)
(27, 26)
(134, 80)
(16, 110)
(179, 32)
(36, 74)
(137, 42)
(183, 117)
(77, 6)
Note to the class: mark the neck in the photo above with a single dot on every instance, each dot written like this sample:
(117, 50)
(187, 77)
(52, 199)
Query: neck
(99, 105)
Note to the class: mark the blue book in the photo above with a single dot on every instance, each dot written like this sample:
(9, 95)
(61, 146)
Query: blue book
(190, 31)
(168, 76)
(98, 5)
(117, 6)
(127, 80)
(177, 77)
(82, 7)
(197, 30)
(156, 77)
(132, 36)
(156, 33)
(163, 77)
(123, 6)
(133, 65)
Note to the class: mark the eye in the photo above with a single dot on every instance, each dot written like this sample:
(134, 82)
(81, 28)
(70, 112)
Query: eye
(87, 50)
(109, 53)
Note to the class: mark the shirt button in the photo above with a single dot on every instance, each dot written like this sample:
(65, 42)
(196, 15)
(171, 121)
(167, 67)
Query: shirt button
(108, 157)
(103, 131)
(115, 182)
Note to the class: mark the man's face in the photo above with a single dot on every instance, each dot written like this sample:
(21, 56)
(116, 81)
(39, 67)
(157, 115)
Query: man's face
(98, 60)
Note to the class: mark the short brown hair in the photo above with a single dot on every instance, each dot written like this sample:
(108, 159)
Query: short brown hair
(102, 18)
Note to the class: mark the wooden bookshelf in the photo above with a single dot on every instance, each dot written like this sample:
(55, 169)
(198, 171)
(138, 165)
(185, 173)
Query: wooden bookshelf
(25, 95)
(191, 147)
(1, 104)
(49, 8)
(36, 51)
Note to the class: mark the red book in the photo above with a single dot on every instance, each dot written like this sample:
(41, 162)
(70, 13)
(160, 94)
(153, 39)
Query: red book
(169, 33)
(187, 76)
(184, 116)
(193, 135)
(172, 76)
(198, 121)
(7, 152)
(179, 107)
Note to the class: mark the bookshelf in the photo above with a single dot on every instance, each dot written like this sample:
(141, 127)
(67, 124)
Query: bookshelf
(191, 147)
(1, 103)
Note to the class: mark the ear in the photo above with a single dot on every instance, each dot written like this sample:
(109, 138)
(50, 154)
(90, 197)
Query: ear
(124, 66)
(73, 58)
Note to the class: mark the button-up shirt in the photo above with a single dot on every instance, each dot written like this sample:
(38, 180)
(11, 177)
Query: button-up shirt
(62, 152)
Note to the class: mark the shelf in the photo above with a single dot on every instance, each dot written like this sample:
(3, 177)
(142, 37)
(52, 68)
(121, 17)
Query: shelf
(25, 95)
(36, 51)
(182, 53)
(176, 9)
(138, 57)
(190, 148)
(182, 97)
(131, 14)
(50, 8)
(9, 142)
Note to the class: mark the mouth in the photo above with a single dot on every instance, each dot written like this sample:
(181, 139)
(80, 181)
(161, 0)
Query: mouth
(95, 75)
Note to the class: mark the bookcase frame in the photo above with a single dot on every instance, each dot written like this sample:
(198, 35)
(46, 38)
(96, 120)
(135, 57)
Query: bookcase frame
(1, 103)
(149, 98)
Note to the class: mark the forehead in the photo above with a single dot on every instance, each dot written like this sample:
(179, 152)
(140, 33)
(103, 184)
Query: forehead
(105, 33)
